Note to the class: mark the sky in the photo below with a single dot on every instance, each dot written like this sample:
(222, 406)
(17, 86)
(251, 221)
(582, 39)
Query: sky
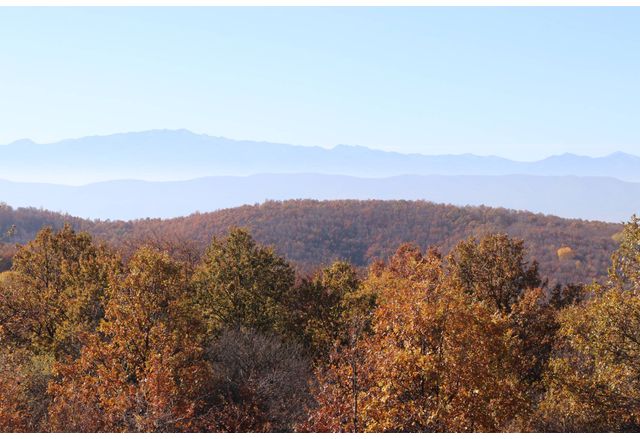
(521, 83)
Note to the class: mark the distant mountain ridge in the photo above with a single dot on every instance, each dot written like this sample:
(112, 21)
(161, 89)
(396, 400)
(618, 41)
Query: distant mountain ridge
(161, 155)
(592, 198)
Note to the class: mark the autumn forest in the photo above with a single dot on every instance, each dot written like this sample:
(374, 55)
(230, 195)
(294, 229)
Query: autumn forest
(319, 217)
(143, 327)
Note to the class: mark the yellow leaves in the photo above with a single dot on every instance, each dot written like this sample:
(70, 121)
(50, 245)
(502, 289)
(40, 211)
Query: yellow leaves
(131, 372)
(595, 385)
(436, 360)
(5, 277)
(421, 344)
(55, 290)
(565, 253)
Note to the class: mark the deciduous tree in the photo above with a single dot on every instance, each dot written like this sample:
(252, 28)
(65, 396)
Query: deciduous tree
(243, 284)
(593, 383)
(144, 370)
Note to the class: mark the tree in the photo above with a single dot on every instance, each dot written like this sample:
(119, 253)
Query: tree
(261, 382)
(533, 320)
(18, 407)
(435, 360)
(145, 369)
(625, 262)
(156, 340)
(593, 382)
(242, 284)
(494, 270)
(55, 291)
(49, 302)
(323, 307)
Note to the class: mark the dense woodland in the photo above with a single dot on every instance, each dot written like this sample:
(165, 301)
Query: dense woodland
(313, 233)
(153, 336)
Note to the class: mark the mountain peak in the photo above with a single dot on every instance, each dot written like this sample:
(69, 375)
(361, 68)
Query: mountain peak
(622, 155)
(22, 142)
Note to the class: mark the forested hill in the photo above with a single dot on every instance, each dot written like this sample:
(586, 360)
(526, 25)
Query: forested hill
(313, 232)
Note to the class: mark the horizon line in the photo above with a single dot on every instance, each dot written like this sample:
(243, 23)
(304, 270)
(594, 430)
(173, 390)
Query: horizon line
(28, 140)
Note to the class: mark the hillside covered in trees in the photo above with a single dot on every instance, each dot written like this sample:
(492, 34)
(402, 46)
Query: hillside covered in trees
(312, 233)
(238, 340)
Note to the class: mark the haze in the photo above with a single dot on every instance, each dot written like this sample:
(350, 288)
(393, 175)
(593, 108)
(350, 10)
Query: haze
(515, 82)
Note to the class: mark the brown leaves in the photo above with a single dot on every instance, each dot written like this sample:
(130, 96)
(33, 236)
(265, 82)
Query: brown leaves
(594, 380)
(55, 291)
(494, 270)
(435, 360)
(144, 370)
(261, 382)
(470, 342)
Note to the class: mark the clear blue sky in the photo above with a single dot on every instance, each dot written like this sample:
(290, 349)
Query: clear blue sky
(522, 83)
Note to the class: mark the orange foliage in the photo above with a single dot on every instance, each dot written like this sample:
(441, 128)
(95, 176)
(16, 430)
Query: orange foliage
(160, 340)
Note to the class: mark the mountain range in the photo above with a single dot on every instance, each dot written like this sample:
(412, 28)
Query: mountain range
(164, 155)
(168, 173)
(593, 198)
